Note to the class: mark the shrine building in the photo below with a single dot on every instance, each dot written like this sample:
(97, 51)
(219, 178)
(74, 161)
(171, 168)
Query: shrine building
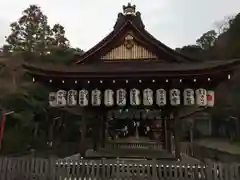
(133, 89)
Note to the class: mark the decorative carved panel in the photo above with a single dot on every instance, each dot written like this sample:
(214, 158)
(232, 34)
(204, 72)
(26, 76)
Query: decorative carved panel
(129, 50)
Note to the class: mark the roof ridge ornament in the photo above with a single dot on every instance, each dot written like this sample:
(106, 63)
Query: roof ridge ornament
(129, 9)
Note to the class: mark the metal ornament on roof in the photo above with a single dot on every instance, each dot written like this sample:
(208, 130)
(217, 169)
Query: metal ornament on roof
(83, 97)
(135, 99)
(188, 97)
(210, 98)
(175, 97)
(161, 97)
(61, 97)
(201, 97)
(147, 97)
(129, 9)
(52, 99)
(72, 97)
(121, 97)
(109, 97)
(96, 97)
(129, 43)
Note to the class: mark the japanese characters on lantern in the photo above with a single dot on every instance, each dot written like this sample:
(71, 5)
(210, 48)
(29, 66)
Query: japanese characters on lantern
(147, 97)
(210, 98)
(201, 97)
(61, 97)
(109, 97)
(121, 99)
(52, 99)
(188, 97)
(175, 97)
(72, 98)
(161, 97)
(83, 97)
(96, 97)
(135, 99)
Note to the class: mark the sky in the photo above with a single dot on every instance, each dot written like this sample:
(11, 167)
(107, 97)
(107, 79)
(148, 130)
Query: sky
(174, 22)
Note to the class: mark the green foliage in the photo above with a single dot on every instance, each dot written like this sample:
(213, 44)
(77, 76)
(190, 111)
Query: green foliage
(15, 141)
(32, 37)
(30, 33)
(59, 40)
(207, 40)
(222, 46)
(32, 122)
(59, 55)
(223, 25)
(6, 49)
(193, 51)
(27, 107)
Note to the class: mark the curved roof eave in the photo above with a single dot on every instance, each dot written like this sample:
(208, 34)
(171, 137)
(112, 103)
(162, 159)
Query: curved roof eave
(159, 69)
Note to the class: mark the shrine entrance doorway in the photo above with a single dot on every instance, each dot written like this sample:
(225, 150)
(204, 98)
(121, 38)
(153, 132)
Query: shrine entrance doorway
(136, 128)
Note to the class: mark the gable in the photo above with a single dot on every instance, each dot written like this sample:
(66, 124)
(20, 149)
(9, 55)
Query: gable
(141, 46)
(129, 49)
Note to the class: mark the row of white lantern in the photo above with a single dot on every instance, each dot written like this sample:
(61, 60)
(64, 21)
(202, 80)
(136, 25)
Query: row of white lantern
(200, 97)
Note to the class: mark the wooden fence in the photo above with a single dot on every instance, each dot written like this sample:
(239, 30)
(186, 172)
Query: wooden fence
(104, 169)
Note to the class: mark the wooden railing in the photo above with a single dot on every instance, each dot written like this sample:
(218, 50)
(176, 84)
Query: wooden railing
(134, 145)
(104, 169)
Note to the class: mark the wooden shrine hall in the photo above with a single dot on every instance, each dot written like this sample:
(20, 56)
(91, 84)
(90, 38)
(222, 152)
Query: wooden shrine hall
(132, 89)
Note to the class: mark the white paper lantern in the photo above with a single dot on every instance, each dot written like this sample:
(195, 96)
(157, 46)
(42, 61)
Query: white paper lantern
(201, 97)
(135, 99)
(61, 97)
(147, 97)
(109, 97)
(175, 97)
(83, 97)
(72, 97)
(96, 97)
(121, 97)
(52, 99)
(210, 98)
(161, 97)
(188, 97)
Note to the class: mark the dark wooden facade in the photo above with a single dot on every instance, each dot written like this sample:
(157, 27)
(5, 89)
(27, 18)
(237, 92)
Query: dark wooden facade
(130, 57)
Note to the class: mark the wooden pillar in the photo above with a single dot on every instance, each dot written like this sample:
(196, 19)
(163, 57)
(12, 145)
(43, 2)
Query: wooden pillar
(106, 133)
(170, 146)
(83, 130)
(177, 132)
(95, 132)
(102, 133)
(98, 125)
(165, 133)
